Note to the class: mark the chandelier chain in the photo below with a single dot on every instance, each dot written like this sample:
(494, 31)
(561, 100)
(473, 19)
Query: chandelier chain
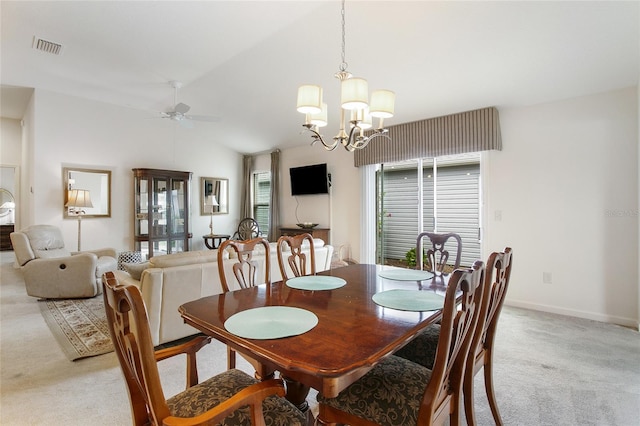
(343, 65)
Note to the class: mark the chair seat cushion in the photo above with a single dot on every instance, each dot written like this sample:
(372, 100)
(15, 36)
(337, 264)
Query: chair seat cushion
(389, 394)
(200, 398)
(422, 349)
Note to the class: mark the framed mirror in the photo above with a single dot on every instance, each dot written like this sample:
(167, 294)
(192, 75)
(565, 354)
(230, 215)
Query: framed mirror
(7, 207)
(86, 192)
(214, 196)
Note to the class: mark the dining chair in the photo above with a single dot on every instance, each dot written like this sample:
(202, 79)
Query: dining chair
(397, 391)
(246, 272)
(290, 254)
(245, 269)
(438, 256)
(230, 398)
(248, 228)
(421, 349)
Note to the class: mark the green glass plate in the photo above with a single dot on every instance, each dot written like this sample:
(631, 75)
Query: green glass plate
(316, 282)
(271, 322)
(409, 300)
(400, 274)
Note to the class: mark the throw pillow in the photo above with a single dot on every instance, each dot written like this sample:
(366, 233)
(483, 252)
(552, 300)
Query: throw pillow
(135, 269)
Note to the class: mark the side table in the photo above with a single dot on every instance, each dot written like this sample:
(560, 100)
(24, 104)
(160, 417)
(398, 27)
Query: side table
(213, 241)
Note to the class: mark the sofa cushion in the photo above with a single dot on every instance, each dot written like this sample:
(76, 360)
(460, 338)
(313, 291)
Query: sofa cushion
(52, 253)
(185, 258)
(273, 247)
(136, 269)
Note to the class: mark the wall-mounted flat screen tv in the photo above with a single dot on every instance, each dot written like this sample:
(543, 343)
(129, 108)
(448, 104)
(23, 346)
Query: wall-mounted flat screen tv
(308, 180)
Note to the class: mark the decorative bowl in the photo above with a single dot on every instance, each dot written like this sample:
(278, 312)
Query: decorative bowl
(307, 225)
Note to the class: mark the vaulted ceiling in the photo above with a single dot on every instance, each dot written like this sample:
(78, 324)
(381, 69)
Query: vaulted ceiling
(242, 61)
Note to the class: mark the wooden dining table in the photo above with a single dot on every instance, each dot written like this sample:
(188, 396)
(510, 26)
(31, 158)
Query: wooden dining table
(353, 333)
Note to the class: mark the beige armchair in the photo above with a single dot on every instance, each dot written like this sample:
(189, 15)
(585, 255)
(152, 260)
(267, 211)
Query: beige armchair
(51, 271)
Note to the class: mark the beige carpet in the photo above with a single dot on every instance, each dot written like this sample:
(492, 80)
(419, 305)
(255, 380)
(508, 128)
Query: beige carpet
(78, 325)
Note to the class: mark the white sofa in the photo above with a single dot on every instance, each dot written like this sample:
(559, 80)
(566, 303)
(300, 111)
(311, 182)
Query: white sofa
(168, 281)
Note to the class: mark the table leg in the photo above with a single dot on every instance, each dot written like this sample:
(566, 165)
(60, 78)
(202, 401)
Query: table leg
(297, 395)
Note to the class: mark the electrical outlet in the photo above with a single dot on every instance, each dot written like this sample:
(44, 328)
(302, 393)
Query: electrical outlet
(546, 277)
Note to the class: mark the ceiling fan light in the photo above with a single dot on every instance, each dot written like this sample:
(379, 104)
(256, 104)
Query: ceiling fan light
(382, 103)
(354, 93)
(309, 99)
(320, 119)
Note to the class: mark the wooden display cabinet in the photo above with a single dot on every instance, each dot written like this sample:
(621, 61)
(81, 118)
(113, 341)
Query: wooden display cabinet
(161, 211)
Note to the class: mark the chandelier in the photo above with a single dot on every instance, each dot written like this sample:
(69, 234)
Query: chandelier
(354, 95)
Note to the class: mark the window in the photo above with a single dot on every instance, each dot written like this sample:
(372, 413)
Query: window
(261, 199)
(441, 195)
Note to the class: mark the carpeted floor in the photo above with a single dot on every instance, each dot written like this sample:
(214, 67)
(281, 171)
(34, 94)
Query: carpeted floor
(549, 370)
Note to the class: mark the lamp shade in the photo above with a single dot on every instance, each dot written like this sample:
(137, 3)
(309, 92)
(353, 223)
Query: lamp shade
(319, 119)
(382, 103)
(79, 198)
(309, 99)
(211, 201)
(354, 93)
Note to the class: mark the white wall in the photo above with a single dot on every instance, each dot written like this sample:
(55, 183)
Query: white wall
(340, 210)
(76, 131)
(566, 183)
(11, 136)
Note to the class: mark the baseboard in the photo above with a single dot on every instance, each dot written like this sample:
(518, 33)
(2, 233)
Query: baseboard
(611, 319)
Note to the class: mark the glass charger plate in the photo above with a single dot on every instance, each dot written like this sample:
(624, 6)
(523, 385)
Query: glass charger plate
(400, 274)
(409, 300)
(271, 322)
(316, 282)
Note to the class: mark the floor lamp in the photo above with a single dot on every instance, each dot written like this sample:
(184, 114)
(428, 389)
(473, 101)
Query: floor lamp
(79, 198)
(209, 205)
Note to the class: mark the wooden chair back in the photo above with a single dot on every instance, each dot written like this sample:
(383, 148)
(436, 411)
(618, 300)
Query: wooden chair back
(457, 328)
(248, 228)
(129, 329)
(497, 276)
(437, 254)
(246, 268)
(294, 257)
(245, 271)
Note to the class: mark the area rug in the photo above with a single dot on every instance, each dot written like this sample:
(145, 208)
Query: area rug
(79, 326)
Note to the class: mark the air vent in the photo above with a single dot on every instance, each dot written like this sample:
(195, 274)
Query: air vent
(47, 46)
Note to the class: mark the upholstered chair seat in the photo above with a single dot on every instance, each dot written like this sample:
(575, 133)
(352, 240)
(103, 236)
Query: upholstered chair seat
(388, 395)
(200, 398)
(422, 349)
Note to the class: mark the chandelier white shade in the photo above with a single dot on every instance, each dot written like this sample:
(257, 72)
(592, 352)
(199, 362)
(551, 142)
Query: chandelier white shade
(354, 101)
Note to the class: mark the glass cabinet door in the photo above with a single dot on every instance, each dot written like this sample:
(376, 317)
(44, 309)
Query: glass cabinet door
(161, 211)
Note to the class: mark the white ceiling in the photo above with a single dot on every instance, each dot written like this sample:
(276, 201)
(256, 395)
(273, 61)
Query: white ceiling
(242, 61)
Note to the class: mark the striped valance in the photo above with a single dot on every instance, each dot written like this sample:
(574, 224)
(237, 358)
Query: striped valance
(470, 131)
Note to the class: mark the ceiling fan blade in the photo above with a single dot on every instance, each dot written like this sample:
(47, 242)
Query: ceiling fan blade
(202, 118)
(182, 108)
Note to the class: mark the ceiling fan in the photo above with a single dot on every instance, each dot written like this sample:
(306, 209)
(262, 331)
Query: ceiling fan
(179, 111)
